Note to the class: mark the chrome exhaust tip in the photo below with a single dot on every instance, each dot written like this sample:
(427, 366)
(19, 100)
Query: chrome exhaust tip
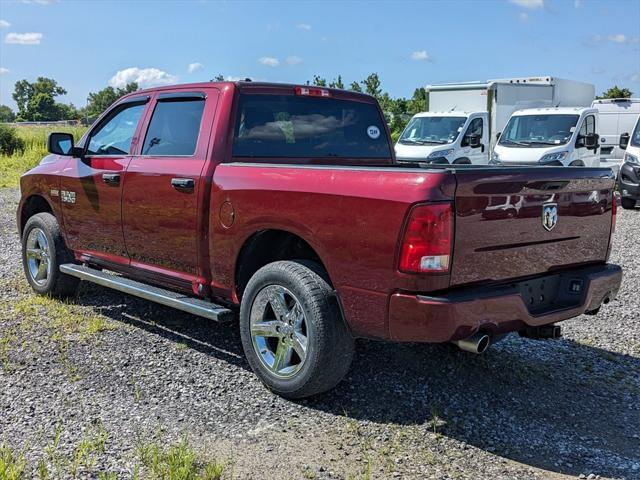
(476, 343)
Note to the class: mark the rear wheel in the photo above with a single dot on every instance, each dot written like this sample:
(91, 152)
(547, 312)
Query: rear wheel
(628, 203)
(293, 335)
(43, 251)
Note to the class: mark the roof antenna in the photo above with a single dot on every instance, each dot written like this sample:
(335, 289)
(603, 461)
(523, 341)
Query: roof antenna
(454, 107)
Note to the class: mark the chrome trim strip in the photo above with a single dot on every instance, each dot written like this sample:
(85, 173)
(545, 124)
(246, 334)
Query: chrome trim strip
(195, 306)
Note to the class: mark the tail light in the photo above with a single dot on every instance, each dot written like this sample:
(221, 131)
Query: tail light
(312, 92)
(427, 239)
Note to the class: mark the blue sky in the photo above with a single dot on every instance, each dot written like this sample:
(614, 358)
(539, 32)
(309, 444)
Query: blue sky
(86, 45)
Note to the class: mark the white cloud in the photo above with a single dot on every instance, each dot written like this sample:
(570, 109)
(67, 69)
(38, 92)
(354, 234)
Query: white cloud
(303, 26)
(194, 67)
(598, 70)
(578, 3)
(4, 24)
(531, 4)
(293, 60)
(635, 77)
(523, 16)
(41, 2)
(420, 55)
(30, 38)
(619, 38)
(144, 77)
(269, 61)
(4, 71)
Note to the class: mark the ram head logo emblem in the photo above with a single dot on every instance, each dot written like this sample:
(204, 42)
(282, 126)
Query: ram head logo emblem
(549, 215)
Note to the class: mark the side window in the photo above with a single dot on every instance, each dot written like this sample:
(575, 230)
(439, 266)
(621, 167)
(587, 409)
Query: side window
(174, 127)
(113, 135)
(474, 128)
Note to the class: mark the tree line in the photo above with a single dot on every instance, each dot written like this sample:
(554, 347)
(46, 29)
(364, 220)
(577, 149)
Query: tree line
(37, 101)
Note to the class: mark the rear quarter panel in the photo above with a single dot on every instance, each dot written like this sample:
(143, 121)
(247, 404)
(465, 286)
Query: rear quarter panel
(352, 217)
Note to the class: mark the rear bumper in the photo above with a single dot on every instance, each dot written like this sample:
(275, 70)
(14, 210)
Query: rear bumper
(501, 308)
(629, 180)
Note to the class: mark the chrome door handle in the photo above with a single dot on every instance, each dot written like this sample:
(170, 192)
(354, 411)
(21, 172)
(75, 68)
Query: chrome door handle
(111, 178)
(183, 184)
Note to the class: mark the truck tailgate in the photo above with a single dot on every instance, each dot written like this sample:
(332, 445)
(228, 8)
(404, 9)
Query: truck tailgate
(518, 222)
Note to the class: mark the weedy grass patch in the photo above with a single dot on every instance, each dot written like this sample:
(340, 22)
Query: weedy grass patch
(12, 465)
(34, 139)
(176, 462)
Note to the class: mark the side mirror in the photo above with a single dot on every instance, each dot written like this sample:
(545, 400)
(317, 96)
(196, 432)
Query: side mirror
(498, 135)
(60, 143)
(624, 140)
(473, 141)
(591, 141)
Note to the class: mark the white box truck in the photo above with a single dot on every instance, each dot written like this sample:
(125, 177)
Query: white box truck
(615, 117)
(464, 120)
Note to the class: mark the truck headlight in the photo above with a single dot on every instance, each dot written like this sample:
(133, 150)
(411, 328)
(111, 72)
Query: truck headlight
(553, 157)
(440, 153)
(630, 158)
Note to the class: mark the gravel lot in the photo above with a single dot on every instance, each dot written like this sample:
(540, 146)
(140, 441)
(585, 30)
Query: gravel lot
(526, 409)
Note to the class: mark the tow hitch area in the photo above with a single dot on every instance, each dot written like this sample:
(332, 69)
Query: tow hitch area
(543, 332)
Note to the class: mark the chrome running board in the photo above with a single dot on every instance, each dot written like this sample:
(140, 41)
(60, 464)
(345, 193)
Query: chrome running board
(179, 301)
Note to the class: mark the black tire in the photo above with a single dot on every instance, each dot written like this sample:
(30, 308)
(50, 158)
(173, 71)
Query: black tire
(330, 345)
(57, 284)
(628, 203)
(462, 161)
(577, 163)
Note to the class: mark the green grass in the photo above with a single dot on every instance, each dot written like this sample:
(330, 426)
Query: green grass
(35, 143)
(176, 462)
(12, 464)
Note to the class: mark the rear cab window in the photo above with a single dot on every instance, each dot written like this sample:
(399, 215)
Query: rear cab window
(281, 128)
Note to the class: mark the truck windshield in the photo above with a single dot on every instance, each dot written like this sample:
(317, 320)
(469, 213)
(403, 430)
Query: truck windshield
(537, 130)
(299, 127)
(432, 130)
(635, 138)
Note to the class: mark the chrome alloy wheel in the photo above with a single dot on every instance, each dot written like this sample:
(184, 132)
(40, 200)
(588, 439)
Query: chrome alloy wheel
(38, 256)
(279, 331)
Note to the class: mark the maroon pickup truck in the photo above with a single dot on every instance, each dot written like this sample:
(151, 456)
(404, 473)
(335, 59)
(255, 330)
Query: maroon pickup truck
(284, 206)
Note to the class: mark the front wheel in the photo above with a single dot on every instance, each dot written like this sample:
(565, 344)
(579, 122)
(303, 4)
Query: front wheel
(293, 334)
(43, 251)
(628, 203)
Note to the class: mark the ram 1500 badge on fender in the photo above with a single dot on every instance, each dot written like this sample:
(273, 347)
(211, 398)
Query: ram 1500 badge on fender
(283, 206)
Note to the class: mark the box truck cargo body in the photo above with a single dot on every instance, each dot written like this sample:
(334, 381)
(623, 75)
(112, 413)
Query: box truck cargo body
(489, 105)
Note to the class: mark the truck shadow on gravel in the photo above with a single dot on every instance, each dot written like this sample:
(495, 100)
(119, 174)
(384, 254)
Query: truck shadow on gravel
(558, 405)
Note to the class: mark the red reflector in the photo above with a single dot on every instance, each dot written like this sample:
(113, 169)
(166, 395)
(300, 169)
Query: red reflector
(313, 92)
(426, 246)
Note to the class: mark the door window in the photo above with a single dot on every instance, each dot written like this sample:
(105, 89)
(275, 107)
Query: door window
(174, 127)
(113, 135)
(475, 128)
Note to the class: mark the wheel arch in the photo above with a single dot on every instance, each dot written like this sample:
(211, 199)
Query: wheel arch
(461, 161)
(271, 245)
(32, 205)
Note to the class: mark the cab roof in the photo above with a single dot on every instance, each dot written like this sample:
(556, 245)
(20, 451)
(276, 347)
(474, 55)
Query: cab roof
(555, 111)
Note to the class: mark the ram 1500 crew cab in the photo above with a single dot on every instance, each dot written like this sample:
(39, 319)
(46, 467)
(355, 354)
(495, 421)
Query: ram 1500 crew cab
(283, 206)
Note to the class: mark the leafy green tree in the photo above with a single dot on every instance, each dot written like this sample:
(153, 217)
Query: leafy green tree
(218, 78)
(616, 92)
(337, 83)
(318, 81)
(98, 102)
(36, 101)
(371, 85)
(6, 114)
(355, 86)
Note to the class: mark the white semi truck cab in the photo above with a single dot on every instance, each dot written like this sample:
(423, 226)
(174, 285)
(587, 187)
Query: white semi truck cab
(445, 137)
(549, 136)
